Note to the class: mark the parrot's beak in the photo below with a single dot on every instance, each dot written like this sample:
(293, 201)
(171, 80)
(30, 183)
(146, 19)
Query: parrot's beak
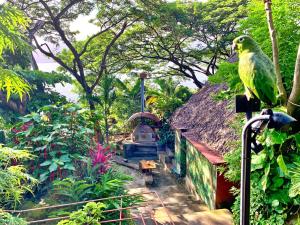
(234, 47)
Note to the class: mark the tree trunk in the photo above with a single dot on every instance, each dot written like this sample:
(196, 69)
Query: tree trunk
(97, 130)
(293, 105)
(275, 50)
(106, 130)
(33, 63)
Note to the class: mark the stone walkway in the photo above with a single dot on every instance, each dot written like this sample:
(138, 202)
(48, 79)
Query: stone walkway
(182, 206)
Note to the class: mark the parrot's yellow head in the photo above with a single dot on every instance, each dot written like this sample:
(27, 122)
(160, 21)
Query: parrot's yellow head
(244, 43)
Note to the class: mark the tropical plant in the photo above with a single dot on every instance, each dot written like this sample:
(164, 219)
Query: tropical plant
(127, 102)
(14, 181)
(101, 157)
(59, 136)
(8, 219)
(167, 97)
(106, 95)
(295, 179)
(71, 190)
(274, 178)
(11, 83)
(11, 37)
(91, 214)
(89, 187)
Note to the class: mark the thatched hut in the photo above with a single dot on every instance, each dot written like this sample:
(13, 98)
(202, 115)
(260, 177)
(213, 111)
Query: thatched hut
(202, 128)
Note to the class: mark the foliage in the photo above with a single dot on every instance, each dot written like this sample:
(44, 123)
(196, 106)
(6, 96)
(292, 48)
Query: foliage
(100, 157)
(11, 83)
(91, 214)
(166, 134)
(71, 190)
(112, 18)
(106, 96)
(127, 102)
(273, 179)
(12, 24)
(168, 97)
(11, 37)
(14, 181)
(295, 180)
(184, 38)
(41, 91)
(227, 73)
(93, 186)
(8, 219)
(58, 135)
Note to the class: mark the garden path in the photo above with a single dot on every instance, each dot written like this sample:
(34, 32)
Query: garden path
(181, 205)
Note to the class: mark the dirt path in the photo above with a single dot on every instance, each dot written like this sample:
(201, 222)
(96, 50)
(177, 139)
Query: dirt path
(173, 194)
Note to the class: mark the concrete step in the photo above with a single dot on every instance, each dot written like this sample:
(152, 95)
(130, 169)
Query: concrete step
(211, 217)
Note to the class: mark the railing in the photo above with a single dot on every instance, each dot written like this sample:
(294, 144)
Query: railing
(144, 212)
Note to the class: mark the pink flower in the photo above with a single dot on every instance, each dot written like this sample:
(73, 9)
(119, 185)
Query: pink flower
(100, 157)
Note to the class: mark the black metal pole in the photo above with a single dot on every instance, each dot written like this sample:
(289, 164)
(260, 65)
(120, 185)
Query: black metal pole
(245, 178)
(142, 95)
(246, 169)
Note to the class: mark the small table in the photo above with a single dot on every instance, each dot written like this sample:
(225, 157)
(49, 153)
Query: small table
(147, 166)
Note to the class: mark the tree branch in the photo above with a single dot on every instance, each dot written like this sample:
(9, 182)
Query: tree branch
(273, 36)
(64, 10)
(293, 105)
(56, 59)
(105, 54)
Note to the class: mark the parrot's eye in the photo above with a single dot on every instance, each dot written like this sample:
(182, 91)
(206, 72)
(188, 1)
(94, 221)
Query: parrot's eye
(241, 39)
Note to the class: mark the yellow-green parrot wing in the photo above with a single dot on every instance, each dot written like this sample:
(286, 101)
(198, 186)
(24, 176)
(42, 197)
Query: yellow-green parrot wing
(257, 73)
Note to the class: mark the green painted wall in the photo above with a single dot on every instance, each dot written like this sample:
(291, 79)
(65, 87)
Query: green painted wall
(200, 174)
(180, 153)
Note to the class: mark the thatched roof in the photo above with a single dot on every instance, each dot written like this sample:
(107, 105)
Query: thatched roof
(206, 121)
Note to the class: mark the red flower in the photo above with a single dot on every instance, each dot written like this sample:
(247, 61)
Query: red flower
(100, 157)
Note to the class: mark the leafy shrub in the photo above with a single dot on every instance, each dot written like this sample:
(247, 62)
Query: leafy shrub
(71, 190)
(274, 179)
(166, 135)
(100, 158)
(59, 136)
(92, 187)
(14, 181)
(91, 214)
(8, 219)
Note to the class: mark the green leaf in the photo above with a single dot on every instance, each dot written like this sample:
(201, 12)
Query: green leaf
(44, 176)
(65, 158)
(282, 165)
(277, 182)
(258, 161)
(46, 163)
(53, 167)
(297, 139)
(264, 179)
(69, 166)
(275, 203)
(275, 137)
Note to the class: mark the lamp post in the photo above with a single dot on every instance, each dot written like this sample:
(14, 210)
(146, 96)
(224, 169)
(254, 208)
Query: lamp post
(268, 118)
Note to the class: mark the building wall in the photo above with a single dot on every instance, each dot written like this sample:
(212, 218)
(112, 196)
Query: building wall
(180, 153)
(200, 174)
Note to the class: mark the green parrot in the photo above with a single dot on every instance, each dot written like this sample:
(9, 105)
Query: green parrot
(256, 70)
